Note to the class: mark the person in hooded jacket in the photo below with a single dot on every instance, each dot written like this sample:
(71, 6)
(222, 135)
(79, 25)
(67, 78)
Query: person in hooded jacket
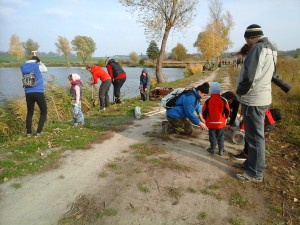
(215, 112)
(35, 94)
(118, 77)
(182, 115)
(144, 85)
(76, 95)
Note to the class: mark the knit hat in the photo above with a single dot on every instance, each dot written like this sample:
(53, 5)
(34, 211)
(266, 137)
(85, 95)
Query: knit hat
(215, 88)
(253, 30)
(204, 88)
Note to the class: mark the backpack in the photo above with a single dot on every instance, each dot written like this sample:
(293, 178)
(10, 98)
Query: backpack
(276, 114)
(169, 101)
(28, 80)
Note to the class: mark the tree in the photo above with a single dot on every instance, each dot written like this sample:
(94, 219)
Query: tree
(152, 50)
(84, 47)
(159, 17)
(214, 40)
(134, 57)
(15, 47)
(63, 47)
(179, 52)
(30, 46)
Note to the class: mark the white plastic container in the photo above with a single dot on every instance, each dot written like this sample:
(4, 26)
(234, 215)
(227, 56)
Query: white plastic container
(137, 112)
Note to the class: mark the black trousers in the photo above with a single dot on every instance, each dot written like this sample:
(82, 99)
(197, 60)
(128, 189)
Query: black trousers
(117, 87)
(31, 99)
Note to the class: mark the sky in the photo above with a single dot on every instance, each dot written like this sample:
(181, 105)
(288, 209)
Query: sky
(117, 32)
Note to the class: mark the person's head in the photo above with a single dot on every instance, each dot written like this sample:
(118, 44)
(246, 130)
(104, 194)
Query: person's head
(252, 34)
(229, 95)
(107, 60)
(88, 67)
(73, 77)
(215, 88)
(144, 72)
(203, 89)
(34, 57)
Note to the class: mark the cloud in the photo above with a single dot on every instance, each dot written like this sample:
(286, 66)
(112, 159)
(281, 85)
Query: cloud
(6, 11)
(58, 13)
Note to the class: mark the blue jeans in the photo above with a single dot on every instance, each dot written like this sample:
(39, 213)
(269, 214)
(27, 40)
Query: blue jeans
(216, 135)
(254, 117)
(77, 114)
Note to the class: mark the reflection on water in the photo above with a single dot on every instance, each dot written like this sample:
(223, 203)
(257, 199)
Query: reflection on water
(11, 83)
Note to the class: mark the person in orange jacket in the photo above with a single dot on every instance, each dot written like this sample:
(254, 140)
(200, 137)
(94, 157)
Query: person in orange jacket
(99, 72)
(215, 111)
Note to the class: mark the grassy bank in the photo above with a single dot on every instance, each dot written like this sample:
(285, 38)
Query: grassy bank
(21, 155)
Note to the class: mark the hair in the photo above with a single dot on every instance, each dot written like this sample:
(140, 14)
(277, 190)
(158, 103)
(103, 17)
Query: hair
(229, 95)
(244, 50)
(34, 57)
(88, 67)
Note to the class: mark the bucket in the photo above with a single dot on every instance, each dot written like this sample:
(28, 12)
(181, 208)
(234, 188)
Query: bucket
(137, 112)
(238, 137)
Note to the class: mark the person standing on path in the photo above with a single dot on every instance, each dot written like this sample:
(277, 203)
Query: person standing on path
(35, 93)
(254, 93)
(98, 72)
(118, 77)
(215, 111)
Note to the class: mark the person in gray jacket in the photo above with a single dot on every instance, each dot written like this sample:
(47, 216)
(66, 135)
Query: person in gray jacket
(254, 93)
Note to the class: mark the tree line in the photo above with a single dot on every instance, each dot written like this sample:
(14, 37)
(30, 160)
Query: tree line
(158, 17)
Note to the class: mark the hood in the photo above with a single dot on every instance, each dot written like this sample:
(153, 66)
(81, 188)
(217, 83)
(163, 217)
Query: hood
(75, 77)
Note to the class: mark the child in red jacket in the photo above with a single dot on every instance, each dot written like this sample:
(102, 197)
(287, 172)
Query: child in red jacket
(215, 112)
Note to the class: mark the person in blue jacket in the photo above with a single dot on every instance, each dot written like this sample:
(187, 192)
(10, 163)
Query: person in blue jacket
(35, 94)
(182, 115)
(144, 84)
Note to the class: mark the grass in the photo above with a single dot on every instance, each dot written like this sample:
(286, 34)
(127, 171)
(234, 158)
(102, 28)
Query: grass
(142, 186)
(107, 212)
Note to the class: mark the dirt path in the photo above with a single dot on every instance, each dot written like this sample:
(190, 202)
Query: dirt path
(173, 196)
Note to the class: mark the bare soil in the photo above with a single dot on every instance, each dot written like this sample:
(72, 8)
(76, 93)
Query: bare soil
(111, 183)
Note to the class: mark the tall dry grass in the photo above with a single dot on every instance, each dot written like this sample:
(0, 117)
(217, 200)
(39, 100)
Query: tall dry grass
(13, 113)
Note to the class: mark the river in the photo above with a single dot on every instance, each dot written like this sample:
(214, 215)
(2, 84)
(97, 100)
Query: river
(11, 82)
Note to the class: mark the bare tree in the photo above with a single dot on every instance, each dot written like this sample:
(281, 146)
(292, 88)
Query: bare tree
(30, 46)
(63, 47)
(15, 47)
(159, 17)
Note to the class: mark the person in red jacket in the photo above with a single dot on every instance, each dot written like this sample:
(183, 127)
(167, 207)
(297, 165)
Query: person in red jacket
(99, 72)
(118, 77)
(215, 112)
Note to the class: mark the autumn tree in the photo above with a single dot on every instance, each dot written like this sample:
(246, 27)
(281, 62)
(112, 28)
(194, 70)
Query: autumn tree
(84, 47)
(152, 50)
(159, 17)
(134, 57)
(63, 47)
(15, 47)
(30, 46)
(179, 52)
(214, 40)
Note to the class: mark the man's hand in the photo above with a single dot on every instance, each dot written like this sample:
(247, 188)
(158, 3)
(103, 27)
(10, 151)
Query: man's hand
(203, 126)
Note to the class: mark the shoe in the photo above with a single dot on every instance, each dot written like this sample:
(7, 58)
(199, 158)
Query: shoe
(221, 153)
(102, 109)
(41, 134)
(247, 177)
(210, 150)
(29, 135)
(241, 157)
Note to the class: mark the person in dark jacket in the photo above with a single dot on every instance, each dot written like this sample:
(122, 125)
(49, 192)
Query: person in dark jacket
(35, 94)
(182, 116)
(234, 107)
(144, 85)
(118, 77)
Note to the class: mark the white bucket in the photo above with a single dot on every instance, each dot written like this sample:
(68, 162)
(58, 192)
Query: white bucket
(137, 112)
